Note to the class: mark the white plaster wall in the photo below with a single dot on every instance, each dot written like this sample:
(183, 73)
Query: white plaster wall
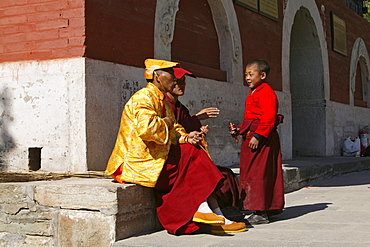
(43, 105)
(285, 129)
(108, 87)
(347, 122)
(229, 98)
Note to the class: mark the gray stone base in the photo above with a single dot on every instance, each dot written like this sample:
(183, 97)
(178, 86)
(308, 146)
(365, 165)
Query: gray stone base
(74, 212)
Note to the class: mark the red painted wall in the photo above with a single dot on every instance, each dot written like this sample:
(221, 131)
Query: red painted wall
(358, 95)
(339, 65)
(41, 29)
(261, 39)
(195, 42)
(120, 31)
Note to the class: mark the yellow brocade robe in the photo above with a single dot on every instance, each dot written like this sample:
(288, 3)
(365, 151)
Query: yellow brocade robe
(144, 139)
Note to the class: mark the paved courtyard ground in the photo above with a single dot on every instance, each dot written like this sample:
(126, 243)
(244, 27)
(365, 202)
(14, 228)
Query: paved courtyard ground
(334, 212)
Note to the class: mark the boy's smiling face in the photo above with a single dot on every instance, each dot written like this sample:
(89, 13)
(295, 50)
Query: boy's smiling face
(253, 77)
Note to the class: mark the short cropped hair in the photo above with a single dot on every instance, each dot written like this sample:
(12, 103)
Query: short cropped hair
(160, 71)
(262, 65)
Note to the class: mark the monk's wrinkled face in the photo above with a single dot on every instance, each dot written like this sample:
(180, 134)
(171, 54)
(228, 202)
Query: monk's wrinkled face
(179, 89)
(166, 80)
(253, 77)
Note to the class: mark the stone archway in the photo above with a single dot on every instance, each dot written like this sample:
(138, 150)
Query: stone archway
(227, 28)
(306, 87)
(305, 70)
(360, 56)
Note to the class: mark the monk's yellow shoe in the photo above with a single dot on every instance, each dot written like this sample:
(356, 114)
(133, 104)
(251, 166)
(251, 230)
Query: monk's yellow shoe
(209, 218)
(231, 228)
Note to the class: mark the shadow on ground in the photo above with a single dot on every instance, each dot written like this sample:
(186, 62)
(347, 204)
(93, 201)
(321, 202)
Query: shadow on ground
(298, 211)
(350, 179)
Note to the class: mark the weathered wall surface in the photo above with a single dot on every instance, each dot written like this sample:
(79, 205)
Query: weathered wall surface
(347, 122)
(43, 106)
(108, 87)
(223, 148)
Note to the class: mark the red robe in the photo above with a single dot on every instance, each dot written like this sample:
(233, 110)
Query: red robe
(187, 179)
(261, 175)
(228, 194)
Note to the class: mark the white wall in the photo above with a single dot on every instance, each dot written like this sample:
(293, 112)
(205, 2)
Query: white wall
(43, 105)
(108, 87)
(347, 122)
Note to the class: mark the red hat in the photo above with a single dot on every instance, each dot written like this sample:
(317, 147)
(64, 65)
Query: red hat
(154, 64)
(179, 72)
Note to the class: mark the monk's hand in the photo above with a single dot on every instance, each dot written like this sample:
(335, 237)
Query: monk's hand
(210, 112)
(204, 129)
(195, 137)
(253, 143)
(169, 122)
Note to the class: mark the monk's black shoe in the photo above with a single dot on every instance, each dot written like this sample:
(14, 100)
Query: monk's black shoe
(260, 218)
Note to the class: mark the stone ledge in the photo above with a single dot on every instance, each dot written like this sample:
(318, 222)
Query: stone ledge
(87, 211)
(302, 172)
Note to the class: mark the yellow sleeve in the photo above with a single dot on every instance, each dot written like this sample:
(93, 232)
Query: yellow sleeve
(149, 125)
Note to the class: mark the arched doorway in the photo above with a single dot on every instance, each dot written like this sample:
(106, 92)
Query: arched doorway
(360, 69)
(223, 14)
(307, 88)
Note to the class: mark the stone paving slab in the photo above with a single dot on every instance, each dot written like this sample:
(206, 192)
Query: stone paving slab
(332, 212)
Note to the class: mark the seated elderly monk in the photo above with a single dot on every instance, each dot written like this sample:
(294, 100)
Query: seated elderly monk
(153, 150)
(228, 195)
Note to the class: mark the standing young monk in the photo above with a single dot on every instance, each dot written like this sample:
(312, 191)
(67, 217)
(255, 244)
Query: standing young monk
(153, 150)
(261, 176)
